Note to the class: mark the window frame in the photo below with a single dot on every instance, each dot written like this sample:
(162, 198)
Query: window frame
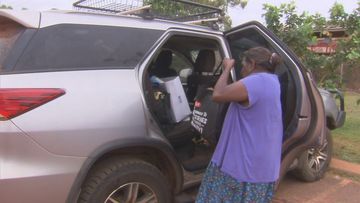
(19, 66)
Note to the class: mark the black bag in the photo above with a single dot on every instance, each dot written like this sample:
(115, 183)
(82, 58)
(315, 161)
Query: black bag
(161, 106)
(208, 116)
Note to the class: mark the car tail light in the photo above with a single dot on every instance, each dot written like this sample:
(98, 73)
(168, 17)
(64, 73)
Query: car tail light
(16, 101)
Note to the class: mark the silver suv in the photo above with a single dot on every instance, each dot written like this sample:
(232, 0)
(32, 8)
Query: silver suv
(85, 116)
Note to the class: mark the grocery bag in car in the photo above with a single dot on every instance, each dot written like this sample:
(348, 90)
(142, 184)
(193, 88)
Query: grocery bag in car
(207, 116)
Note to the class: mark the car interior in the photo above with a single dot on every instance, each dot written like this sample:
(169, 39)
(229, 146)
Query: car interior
(196, 61)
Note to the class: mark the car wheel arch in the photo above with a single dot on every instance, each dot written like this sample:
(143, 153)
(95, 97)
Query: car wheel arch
(155, 152)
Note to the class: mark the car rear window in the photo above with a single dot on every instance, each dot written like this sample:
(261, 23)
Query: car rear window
(9, 33)
(76, 47)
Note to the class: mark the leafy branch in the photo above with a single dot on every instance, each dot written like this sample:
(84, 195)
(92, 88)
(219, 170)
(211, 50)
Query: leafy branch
(297, 31)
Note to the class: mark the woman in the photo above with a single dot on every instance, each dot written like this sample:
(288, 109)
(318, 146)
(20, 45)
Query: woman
(246, 162)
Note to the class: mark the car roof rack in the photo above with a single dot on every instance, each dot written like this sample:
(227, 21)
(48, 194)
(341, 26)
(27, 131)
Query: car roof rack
(174, 10)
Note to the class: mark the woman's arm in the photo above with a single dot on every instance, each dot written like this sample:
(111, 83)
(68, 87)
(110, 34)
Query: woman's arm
(224, 92)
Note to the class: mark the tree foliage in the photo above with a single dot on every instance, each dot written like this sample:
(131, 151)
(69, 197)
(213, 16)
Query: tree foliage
(297, 31)
(169, 7)
(5, 7)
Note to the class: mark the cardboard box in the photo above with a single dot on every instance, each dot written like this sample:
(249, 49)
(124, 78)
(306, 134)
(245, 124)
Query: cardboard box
(179, 105)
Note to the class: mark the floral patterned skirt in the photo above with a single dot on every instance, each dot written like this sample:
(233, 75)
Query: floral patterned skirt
(218, 186)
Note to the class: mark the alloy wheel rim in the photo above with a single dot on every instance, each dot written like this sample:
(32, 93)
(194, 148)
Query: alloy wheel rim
(317, 157)
(133, 192)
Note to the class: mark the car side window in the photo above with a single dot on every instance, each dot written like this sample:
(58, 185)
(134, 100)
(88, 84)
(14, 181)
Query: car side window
(182, 66)
(241, 42)
(76, 47)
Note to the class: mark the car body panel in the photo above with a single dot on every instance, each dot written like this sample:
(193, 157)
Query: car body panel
(27, 169)
(315, 134)
(98, 107)
(335, 116)
(29, 19)
(49, 18)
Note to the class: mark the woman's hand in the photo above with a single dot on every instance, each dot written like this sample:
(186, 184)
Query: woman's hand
(228, 63)
(224, 92)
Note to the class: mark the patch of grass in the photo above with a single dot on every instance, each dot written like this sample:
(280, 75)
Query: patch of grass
(347, 138)
(346, 150)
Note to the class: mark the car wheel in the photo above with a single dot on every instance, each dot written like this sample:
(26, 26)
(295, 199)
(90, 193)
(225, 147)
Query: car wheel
(131, 180)
(314, 162)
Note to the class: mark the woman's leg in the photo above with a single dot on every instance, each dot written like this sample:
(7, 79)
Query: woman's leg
(258, 192)
(210, 186)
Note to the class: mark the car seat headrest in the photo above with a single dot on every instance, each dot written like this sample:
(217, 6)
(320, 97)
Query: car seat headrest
(205, 61)
(164, 59)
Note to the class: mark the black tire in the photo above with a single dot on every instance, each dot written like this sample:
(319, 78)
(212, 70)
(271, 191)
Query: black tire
(310, 167)
(118, 177)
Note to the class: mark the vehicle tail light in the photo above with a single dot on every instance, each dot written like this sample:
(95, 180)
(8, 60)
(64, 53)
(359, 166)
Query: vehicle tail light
(16, 101)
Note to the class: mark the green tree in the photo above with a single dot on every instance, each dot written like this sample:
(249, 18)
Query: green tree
(297, 31)
(168, 7)
(5, 7)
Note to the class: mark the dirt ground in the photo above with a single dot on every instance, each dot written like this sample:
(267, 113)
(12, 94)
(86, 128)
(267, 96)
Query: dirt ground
(331, 189)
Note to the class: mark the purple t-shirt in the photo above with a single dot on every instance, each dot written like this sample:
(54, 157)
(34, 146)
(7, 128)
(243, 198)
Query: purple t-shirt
(249, 148)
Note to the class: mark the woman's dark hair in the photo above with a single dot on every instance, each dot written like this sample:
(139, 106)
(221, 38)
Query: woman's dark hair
(263, 58)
